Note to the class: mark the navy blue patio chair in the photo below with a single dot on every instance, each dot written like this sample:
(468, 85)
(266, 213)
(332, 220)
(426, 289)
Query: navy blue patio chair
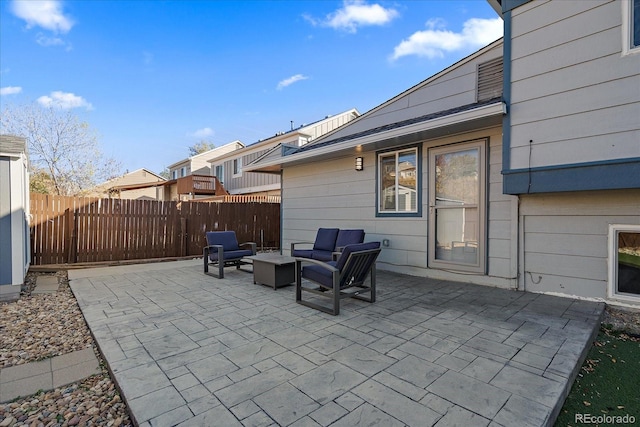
(344, 278)
(223, 250)
(323, 246)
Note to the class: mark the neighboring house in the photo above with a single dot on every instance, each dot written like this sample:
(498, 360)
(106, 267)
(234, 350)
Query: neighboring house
(128, 186)
(530, 182)
(229, 168)
(199, 164)
(15, 252)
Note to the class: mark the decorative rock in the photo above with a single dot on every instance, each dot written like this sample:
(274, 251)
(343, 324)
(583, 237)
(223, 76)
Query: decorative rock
(42, 326)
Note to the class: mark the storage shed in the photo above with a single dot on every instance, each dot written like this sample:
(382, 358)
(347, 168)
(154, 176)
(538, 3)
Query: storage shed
(14, 216)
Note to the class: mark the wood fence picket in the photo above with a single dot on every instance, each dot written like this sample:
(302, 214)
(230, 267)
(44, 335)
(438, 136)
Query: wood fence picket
(68, 230)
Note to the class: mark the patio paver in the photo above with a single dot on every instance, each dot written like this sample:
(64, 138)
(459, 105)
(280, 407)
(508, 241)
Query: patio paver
(190, 349)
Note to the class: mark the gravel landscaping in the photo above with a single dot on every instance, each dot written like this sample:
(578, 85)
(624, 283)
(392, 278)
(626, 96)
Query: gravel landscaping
(37, 327)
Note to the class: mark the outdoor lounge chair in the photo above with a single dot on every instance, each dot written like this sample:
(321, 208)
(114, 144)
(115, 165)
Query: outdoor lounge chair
(328, 242)
(223, 249)
(344, 278)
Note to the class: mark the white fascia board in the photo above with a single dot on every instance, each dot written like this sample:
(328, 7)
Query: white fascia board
(499, 108)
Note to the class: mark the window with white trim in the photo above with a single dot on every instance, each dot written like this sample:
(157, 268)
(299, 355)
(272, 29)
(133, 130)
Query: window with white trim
(220, 172)
(398, 182)
(630, 26)
(237, 167)
(624, 262)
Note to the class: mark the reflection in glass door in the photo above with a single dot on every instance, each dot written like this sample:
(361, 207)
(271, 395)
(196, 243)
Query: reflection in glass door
(456, 207)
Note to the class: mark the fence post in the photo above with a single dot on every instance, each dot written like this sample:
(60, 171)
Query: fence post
(183, 237)
(72, 237)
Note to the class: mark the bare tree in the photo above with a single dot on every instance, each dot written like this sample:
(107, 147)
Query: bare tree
(60, 146)
(201, 147)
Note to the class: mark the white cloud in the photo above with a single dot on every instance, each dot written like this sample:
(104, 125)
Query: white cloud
(44, 40)
(291, 80)
(202, 133)
(436, 40)
(10, 90)
(46, 14)
(355, 14)
(64, 100)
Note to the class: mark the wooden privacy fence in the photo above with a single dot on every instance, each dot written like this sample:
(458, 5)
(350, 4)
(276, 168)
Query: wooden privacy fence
(67, 230)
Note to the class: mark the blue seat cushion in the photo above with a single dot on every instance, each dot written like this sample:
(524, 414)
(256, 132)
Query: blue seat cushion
(303, 253)
(320, 275)
(349, 237)
(326, 239)
(230, 255)
(322, 255)
(227, 239)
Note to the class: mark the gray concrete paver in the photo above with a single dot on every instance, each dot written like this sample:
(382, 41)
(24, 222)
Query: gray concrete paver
(426, 353)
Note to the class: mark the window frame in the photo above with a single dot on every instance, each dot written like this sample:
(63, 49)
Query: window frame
(215, 172)
(612, 261)
(237, 167)
(628, 27)
(396, 213)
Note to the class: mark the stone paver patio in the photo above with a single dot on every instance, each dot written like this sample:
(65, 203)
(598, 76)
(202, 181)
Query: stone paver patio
(189, 349)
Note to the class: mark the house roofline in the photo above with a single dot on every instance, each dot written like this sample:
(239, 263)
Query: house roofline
(472, 115)
(206, 153)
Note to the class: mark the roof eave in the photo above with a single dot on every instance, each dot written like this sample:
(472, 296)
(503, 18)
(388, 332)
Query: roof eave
(461, 122)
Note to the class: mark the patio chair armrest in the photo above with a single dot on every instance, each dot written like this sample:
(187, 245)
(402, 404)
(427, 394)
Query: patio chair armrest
(254, 246)
(208, 249)
(293, 245)
(322, 264)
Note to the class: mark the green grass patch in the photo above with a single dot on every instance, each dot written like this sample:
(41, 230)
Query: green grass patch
(608, 384)
(632, 260)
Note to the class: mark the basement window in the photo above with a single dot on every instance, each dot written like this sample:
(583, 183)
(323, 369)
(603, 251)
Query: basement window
(624, 262)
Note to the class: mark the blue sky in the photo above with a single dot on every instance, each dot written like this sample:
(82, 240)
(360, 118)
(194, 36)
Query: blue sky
(155, 77)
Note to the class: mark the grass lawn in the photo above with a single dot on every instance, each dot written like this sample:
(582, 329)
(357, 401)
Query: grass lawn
(608, 385)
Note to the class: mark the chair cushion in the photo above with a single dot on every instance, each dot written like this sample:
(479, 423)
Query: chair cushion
(320, 275)
(230, 255)
(322, 255)
(227, 239)
(326, 239)
(349, 237)
(354, 248)
(302, 253)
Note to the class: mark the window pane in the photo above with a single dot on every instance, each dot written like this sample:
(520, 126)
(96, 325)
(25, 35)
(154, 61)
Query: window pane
(457, 178)
(457, 235)
(407, 181)
(388, 183)
(635, 24)
(629, 263)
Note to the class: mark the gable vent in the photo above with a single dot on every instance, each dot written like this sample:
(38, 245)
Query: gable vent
(490, 79)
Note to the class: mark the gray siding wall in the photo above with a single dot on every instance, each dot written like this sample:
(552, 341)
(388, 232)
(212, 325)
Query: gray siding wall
(565, 239)
(574, 97)
(454, 88)
(6, 235)
(248, 180)
(333, 194)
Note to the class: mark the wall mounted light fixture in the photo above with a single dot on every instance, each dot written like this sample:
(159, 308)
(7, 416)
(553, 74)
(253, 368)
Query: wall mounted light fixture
(359, 163)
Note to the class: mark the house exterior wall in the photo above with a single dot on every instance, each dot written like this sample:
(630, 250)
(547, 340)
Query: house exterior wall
(248, 182)
(572, 142)
(575, 98)
(268, 183)
(14, 224)
(332, 194)
(565, 239)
